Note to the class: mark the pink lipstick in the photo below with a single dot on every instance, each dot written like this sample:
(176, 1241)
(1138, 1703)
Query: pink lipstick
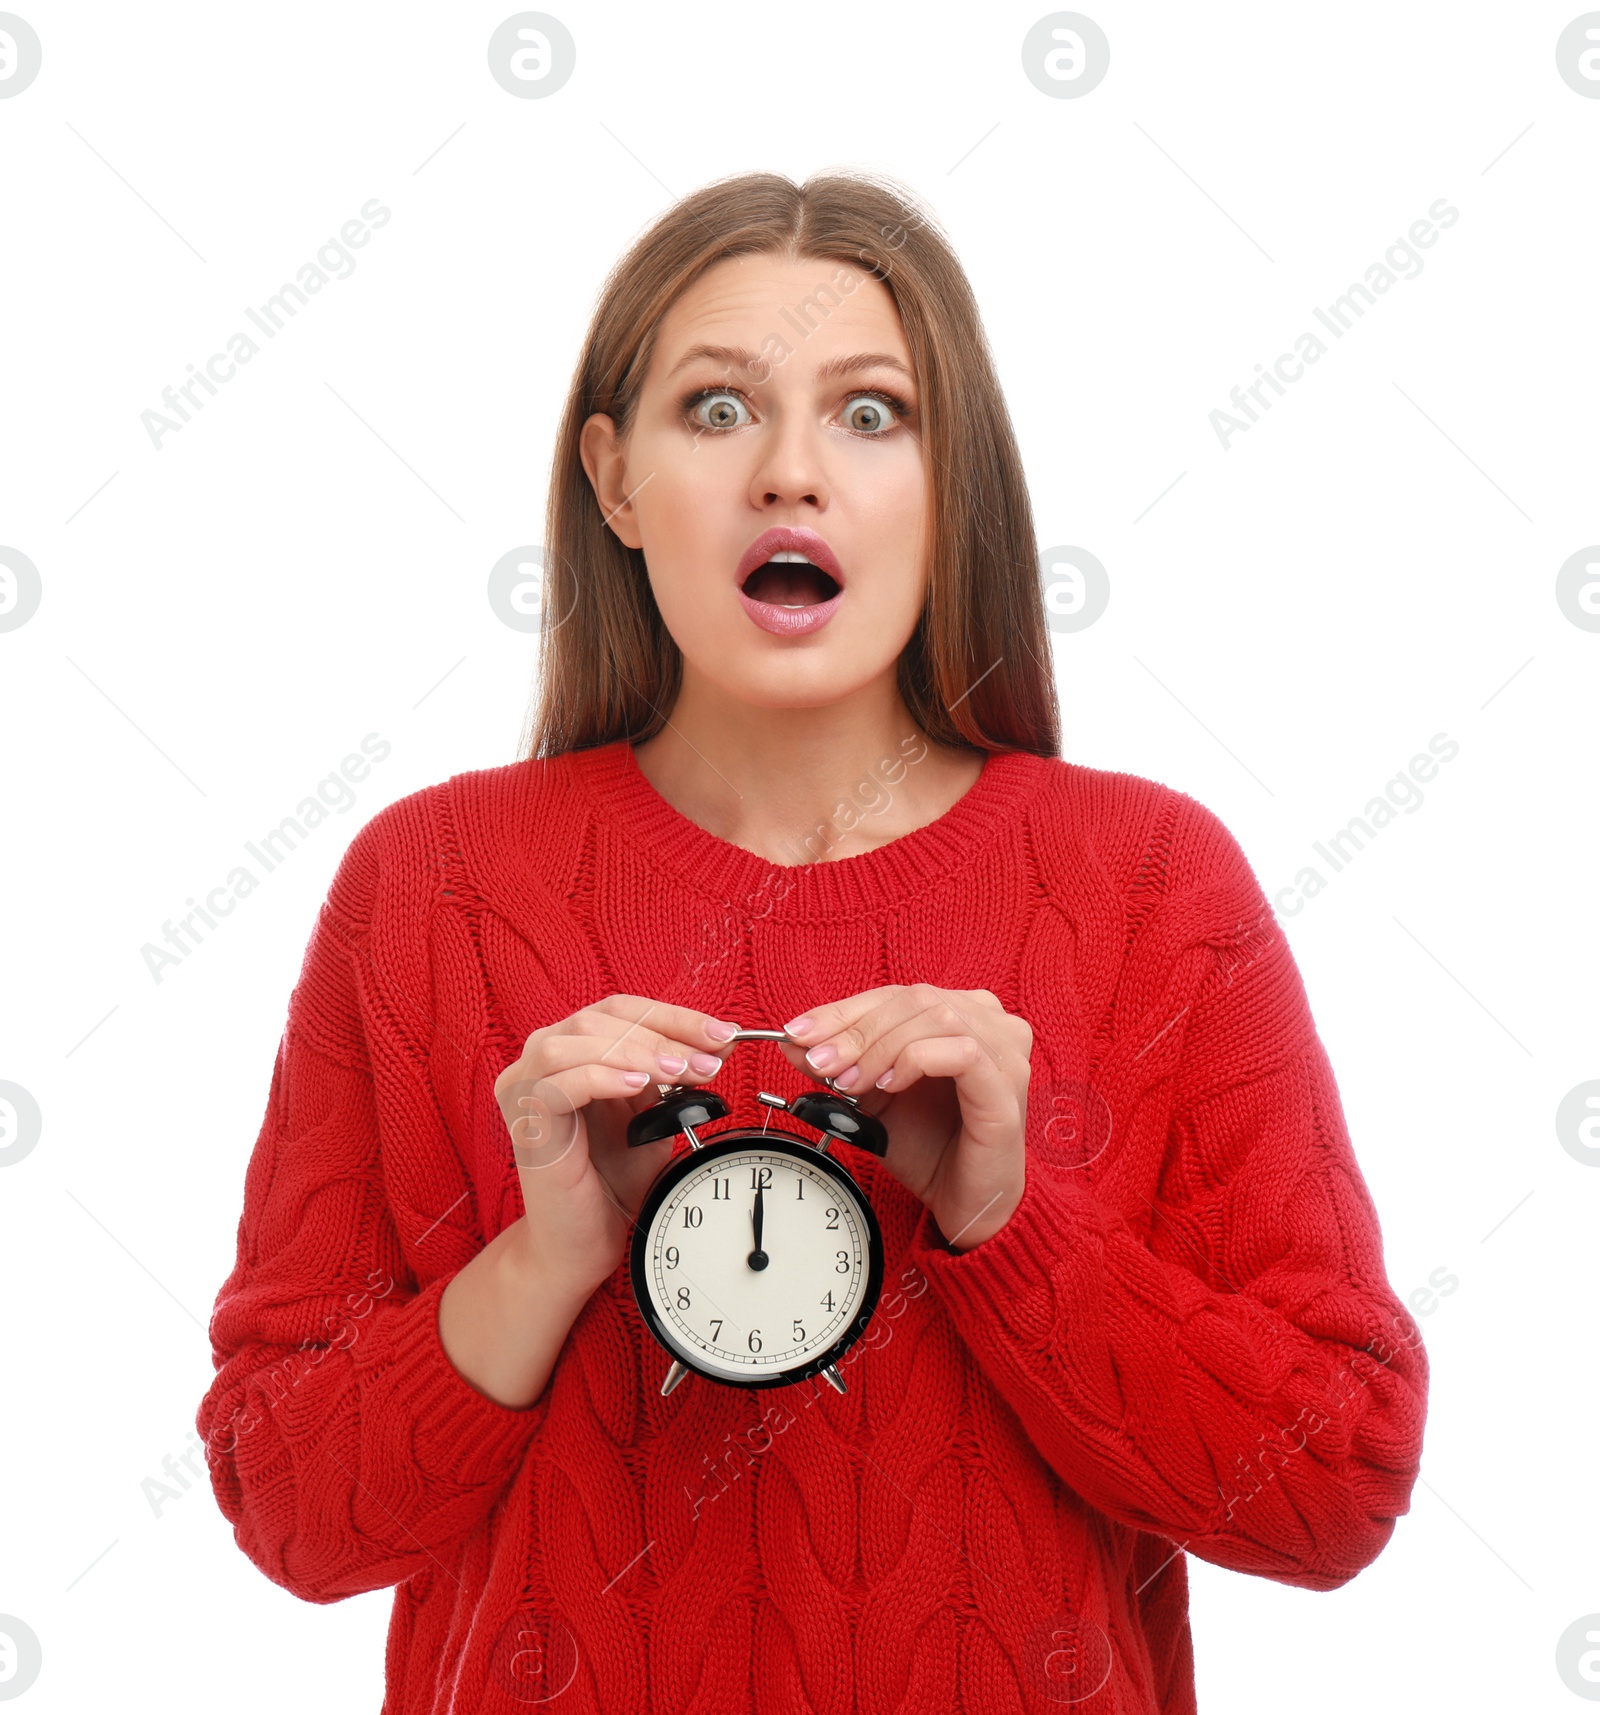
(789, 581)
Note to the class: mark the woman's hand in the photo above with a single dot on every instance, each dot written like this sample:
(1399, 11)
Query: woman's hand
(567, 1100)
(947, 1072)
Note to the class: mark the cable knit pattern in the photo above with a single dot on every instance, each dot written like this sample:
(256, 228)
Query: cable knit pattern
(1182, 1342)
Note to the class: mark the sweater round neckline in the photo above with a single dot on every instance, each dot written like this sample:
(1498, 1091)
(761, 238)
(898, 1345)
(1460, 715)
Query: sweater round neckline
(910, 864)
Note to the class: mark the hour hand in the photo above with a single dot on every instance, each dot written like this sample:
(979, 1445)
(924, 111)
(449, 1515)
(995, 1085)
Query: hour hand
(758, 1257)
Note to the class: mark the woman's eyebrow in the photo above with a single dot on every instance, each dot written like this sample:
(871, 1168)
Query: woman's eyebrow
(861, 360)
(736, 357)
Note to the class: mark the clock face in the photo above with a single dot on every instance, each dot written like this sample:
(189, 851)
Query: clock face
(757, 1315)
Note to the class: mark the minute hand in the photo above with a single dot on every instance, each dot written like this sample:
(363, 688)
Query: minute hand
(758, 1257)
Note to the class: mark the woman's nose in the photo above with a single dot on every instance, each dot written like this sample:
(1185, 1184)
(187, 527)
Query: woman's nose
(790, 463)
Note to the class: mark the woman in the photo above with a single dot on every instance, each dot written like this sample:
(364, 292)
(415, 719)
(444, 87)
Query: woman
(795, 762)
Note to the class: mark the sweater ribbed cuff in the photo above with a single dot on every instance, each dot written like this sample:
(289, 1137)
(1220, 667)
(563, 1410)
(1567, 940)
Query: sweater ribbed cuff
(1004, 1286)
(453, 1430)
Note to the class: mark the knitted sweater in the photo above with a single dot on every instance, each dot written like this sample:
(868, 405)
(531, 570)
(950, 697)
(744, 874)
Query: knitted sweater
(1182, 1342)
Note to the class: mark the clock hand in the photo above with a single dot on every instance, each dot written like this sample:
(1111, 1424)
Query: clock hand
(758, 1257)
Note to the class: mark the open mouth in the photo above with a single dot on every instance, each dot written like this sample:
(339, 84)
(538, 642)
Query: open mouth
(790, 580)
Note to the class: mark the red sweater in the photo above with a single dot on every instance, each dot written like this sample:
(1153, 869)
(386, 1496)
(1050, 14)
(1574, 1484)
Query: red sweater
(1182, 1342)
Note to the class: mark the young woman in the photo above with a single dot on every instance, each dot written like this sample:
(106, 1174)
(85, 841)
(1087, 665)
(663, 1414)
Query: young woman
(795, 765)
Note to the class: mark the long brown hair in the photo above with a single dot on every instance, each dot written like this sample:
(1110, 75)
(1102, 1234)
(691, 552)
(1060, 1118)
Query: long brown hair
(976, 671)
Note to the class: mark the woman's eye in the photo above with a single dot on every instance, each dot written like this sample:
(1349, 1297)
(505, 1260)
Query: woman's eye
(868, 414)
(719, 411)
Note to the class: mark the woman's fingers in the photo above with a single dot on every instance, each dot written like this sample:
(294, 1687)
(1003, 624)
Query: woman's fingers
(854, 1042)
(688, 1030)
(829, 1039)
(986, 1092)
(660, 1058)
(611, 1041)
(529, 1090)
(832, 1037)
(542, 1112)
(566, 1100)
(672, 1043)
(946, 1021)
(610, 1051)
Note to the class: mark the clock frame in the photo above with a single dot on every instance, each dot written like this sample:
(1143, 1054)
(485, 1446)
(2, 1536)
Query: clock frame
(838, 1118)
(782, 1146)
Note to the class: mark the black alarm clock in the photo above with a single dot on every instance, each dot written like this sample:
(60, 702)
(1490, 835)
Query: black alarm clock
(757, 1260)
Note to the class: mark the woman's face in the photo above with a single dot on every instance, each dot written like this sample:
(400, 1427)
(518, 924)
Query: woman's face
(779, 398)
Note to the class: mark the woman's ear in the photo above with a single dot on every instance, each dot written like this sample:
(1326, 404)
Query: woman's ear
(605, 463)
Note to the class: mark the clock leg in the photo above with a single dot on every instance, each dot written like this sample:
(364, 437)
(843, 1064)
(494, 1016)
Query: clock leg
(676, 1375)
(832, 1376)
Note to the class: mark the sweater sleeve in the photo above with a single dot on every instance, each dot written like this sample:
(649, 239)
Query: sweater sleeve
(1202, 1340)
(343, 1445)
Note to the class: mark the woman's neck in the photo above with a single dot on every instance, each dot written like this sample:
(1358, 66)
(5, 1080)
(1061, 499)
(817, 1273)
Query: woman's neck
(804, 785)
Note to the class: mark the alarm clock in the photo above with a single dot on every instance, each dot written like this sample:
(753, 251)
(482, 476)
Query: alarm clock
(757, 1260)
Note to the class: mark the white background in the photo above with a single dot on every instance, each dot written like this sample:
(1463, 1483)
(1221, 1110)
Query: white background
(306, 562)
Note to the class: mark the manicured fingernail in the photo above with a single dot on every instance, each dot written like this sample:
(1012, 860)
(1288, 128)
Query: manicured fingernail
(671, 1065)
(719, 1030)
(883, 1082)
(704, 1064)
(797, 1026)
(636, 1080)
(847, 1077)
(822, 1057)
